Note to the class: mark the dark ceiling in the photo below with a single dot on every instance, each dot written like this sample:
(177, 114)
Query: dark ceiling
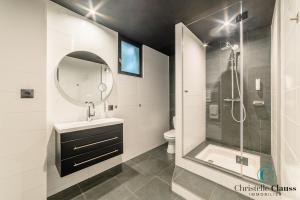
(152, 22)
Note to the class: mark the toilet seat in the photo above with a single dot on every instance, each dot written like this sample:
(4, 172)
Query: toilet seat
(170, 134)
(170, 137)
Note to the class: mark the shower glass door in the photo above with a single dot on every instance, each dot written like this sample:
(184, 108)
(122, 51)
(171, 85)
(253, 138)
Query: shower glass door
(226, 94)
(213, 91)
(256, 138)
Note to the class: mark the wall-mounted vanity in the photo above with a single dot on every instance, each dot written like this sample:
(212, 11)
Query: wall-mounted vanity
(84, 79)
(82, 144)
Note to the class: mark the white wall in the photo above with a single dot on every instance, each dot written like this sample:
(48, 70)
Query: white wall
(194, 87)
(287, 67)
(144, 126)
(22, 121)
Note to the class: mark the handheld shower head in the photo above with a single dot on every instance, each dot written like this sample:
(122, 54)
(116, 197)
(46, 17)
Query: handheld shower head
(228, 45)
(235, 47)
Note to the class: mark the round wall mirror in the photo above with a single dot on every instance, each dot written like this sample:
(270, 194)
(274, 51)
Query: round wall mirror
(83, 77)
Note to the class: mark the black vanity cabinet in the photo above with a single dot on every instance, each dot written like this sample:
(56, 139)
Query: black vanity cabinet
(80, 149)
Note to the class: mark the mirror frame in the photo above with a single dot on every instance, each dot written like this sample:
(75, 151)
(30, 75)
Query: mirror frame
(72, 100)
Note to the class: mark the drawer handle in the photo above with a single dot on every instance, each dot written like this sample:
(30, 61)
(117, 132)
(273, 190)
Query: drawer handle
(86, 161)
(91, 144)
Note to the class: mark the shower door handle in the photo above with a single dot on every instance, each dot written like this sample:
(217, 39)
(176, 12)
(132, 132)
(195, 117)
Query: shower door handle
(230, 100)
(186, 91)
(297, 18)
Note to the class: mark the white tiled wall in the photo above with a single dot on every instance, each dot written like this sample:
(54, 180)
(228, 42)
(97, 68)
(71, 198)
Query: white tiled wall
(22, 121)
(144, 126)
(291, 93)
(289, 41)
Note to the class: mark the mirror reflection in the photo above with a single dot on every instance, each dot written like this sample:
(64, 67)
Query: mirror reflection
(84, 77)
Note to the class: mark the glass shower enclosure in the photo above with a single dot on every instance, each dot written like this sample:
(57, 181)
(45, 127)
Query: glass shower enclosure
(226, 120)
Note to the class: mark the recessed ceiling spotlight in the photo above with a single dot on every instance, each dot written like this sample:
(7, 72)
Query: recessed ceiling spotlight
(92, 11)
(205, 44)
(226, 23)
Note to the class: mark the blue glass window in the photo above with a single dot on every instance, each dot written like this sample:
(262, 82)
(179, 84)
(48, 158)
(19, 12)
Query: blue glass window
(130, 55)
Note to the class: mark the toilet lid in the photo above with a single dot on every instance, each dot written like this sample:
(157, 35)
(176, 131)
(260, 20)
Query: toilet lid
(170, 134)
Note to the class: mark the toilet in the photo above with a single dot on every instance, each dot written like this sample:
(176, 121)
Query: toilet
(170, 138)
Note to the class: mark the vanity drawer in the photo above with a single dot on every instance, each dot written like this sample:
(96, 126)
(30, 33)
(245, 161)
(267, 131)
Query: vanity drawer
(78, 135)
(80, 149)
(82, 161)
(87, 144)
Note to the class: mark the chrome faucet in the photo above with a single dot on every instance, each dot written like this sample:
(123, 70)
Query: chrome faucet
(90, 111)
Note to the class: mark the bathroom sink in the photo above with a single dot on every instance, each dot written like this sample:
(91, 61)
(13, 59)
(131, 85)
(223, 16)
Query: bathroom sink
(81, 125)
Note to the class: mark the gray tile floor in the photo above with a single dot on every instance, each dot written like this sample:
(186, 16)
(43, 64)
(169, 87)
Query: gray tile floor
(204, 188)
(147, 176)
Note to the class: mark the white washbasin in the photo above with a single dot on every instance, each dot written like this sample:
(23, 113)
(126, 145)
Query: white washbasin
(82, 125)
